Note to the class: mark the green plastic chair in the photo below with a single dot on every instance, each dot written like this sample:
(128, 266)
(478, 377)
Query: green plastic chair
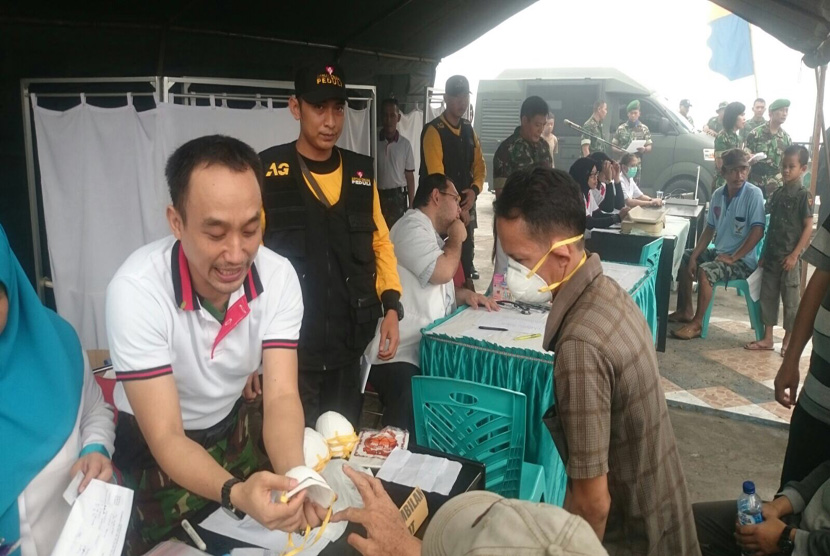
(482, 423)
(650, 254)
(742, 287)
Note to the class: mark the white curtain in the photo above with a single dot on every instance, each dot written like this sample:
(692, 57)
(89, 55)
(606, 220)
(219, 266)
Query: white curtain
(103, 187)
(410, 126)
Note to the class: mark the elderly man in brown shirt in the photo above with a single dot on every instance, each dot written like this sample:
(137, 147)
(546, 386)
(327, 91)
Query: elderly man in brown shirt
(610, 422)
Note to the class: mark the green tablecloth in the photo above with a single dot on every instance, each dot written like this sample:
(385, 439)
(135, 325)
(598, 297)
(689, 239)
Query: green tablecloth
(448, 350)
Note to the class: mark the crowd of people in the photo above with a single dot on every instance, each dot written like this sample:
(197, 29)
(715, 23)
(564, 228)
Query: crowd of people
(282, 272)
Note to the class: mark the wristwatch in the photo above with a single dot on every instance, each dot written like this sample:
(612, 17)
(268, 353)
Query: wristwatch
(398, 308)
(785, 544)
(226, 499)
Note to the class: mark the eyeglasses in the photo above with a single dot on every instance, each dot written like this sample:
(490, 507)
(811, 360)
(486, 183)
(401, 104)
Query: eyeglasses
(456, 195)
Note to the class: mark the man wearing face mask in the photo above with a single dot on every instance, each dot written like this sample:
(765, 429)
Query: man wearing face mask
(610, 422)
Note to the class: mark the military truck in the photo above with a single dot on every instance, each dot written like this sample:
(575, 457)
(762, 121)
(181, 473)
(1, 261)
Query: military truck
(678, 148)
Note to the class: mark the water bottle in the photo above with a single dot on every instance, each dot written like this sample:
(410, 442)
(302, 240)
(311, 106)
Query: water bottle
(749, 507)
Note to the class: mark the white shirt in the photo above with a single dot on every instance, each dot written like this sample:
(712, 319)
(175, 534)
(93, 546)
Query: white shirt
(156, 326)
(394, 158)
(629, 187)
(41, 507)
(417, 248)
(591, 202)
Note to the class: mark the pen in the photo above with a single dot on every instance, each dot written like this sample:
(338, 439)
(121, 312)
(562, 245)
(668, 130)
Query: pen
(493, 328)
(528, 337)
(191, 532)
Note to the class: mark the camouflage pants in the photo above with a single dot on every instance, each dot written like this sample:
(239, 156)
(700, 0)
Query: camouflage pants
(160, 505)
(717, 271)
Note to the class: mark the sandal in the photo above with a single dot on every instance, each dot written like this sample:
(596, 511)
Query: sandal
(687, 332)
(754, 346)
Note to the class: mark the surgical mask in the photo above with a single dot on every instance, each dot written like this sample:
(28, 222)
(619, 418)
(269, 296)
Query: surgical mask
(527, 286)
(632, 171)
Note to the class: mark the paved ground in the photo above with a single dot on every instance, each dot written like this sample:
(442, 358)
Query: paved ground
(729, 428)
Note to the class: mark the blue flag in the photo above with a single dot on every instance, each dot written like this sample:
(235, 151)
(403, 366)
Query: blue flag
(731, 45)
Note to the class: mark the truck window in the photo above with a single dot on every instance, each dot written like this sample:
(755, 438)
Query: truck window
(566, 100)
(651, 116)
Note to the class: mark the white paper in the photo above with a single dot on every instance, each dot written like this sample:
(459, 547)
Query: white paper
(754, 282)
(515, 323)
(71, 492)
(175, 548)
(253, 552)
(97, 523)
(635, 144)
(250, 531)
(757, 157)
(429, 473)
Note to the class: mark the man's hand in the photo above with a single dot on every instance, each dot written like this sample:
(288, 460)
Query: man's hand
(390, 336)
(790, 262)
(657, 202)
(386, 531)
(94, 465)
(457, 231)
(468, 197)
(641, 150)
(786, 382)
(254, 498)
(253, 387)
(476, 300)
(691, 268)
(761, 538)
(314, 514)
(725, 258)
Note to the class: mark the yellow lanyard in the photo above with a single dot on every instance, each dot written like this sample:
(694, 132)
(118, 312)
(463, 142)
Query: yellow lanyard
(291, 548)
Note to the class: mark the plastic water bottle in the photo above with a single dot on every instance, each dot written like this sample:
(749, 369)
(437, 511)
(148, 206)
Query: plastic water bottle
(749, 507)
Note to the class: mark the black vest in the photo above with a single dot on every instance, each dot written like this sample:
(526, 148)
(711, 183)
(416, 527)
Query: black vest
(458, 154)
(331, 250)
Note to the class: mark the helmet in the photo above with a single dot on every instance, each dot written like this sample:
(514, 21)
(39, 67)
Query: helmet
(338, 432)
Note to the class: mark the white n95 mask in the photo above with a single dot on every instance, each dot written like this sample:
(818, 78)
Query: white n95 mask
(315, 450)
(338, 432)
(525, 285)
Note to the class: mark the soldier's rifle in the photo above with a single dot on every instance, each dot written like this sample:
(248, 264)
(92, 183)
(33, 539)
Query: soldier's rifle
(584, 131)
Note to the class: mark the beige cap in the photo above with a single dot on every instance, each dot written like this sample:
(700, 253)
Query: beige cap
(481, 523)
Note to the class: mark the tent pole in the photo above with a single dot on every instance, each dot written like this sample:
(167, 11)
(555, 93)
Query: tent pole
(818, 124)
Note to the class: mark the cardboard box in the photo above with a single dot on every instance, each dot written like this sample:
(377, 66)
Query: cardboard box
(415, 511)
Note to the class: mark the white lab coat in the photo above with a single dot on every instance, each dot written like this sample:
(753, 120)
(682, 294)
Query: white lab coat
(43, 511)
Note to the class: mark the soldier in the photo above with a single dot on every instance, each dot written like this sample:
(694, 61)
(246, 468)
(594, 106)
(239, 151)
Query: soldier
(758, 109)
(633, 130)
(684, 111)
(594, 127)
(715, 123)
(525, 147)
(730, 137)
(771, 140)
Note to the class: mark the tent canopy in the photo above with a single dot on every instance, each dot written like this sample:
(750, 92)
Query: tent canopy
(800, 24)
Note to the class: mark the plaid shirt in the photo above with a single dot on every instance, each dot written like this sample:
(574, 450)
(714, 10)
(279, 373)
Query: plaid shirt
(611, 416)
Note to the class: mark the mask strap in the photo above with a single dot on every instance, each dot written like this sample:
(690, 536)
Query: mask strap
(292, 549)
(552, 247)
(321, 462)
(566, 278)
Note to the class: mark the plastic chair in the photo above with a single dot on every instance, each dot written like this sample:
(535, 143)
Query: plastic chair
(742, 287)
(650, 254)
(478, 422)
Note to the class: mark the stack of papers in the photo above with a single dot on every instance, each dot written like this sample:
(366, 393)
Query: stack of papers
(418, 470)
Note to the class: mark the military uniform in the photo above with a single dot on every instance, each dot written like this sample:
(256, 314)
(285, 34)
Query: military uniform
(515, 153)
(766, 173)
(751, 125)
(594, 128)
(714, 124)
(626, 133)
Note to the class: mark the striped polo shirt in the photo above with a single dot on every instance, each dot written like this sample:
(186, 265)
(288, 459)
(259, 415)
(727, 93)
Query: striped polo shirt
(156, 326)
(815, 396)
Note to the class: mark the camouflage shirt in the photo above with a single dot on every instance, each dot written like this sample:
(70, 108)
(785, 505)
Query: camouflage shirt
(595, 128)
(626, 134)
(761, 140)
(725, 141)
(752, 124)
(714, 124)
(515, 153)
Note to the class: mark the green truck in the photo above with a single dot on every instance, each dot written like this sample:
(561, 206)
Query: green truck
(678, 149)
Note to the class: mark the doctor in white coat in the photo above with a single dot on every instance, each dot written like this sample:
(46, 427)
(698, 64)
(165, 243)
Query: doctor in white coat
(53, 418)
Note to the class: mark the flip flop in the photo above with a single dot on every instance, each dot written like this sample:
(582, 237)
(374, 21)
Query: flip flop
(687, 332)
(753, 346)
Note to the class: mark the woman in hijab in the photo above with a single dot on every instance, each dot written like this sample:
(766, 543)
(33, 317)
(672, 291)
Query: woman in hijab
(584, 171)
(53, 418)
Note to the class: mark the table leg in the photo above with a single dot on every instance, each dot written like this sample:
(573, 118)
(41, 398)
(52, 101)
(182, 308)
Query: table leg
(664, 290)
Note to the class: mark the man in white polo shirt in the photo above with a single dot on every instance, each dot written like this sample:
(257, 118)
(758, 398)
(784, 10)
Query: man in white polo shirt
(396, 165)
(189, 318)
(426, 266)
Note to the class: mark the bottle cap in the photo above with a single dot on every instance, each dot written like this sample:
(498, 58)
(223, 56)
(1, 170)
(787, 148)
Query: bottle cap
(749, 487)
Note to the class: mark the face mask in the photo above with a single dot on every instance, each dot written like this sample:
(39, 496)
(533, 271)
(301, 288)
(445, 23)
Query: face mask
(632, 172)
(525, 285)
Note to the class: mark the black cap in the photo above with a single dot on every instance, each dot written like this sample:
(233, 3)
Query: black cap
(457, 85)
(320, 82)
(685, 102)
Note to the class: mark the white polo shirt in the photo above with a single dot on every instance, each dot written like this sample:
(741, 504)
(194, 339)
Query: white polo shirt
(629, 187)
(156, 326)
(417, 248)
(394, 158)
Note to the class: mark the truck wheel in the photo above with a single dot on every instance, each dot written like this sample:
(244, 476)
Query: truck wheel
(687, 185)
